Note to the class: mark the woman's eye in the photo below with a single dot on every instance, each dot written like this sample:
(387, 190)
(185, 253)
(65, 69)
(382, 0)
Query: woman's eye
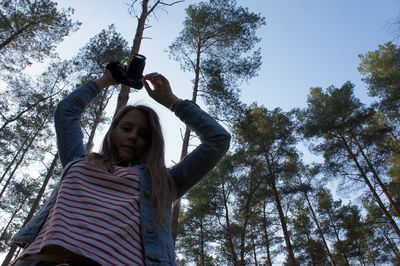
(126, 129)
(144, 135)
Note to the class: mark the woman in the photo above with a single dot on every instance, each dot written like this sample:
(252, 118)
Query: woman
(114, 208)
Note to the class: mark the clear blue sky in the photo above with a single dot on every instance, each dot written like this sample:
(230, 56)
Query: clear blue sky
(304, 44)
(316, 43)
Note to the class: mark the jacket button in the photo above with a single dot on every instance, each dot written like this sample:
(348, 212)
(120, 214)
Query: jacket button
(150, 229)
(147, 194)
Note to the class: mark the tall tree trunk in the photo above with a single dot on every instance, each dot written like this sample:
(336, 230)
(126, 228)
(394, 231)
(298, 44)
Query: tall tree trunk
(123, 96)
(315, 219)
(282, 219)
(177, 203)
(103, 102)
(371, 259)
(202, 243)
(146, 10)
(392, 202)
(184, 150)
(10, 255)
(340, 245)
(266, 236)
(371, 187)
(229, 239)
(253, 243)
(320, 232)
(311, 255)
(251, 192)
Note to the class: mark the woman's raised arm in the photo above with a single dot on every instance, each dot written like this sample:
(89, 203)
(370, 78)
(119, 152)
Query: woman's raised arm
(68, 115)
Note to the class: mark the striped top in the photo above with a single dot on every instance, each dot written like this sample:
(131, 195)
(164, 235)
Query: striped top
(96, 215)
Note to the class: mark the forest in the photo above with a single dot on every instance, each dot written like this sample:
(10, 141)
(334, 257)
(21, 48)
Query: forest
(263, 204)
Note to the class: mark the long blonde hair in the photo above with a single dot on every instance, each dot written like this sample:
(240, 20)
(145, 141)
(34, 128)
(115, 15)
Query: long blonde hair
(163, 187)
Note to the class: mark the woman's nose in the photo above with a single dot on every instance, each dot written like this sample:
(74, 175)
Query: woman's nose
(133, 135)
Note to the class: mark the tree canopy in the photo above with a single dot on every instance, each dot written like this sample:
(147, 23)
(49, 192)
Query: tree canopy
(31, 30)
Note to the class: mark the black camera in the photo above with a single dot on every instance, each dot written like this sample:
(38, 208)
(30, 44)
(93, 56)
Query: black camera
(132, 76)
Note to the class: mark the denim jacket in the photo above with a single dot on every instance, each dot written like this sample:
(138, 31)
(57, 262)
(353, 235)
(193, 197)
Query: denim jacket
(157, 239)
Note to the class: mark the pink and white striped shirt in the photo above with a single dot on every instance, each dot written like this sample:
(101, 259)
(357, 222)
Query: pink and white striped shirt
(96, 215)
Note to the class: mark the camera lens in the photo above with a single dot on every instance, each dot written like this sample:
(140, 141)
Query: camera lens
(136, 67)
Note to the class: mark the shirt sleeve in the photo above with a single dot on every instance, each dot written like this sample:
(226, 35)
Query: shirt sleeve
(67, 122)
(215, 141)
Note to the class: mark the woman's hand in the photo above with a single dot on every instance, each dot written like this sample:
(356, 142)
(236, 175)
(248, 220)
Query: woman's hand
(162, 92)
(106, 80)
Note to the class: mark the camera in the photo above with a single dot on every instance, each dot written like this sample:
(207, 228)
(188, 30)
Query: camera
(132, 76)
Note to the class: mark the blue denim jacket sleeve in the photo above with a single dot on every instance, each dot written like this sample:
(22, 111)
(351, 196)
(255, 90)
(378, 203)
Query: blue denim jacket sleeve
(67, 122)
(215, 141)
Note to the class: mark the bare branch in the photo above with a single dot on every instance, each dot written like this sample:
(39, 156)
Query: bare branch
(171, 4)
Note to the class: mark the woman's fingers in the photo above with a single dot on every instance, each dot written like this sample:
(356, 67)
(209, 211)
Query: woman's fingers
(161, 91)
(146, 86)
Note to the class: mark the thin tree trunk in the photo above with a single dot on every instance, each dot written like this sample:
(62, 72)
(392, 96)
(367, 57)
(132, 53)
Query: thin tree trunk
(46, 180)
(101, 106)
(338, 238)
(30, 107)
(371, 258)
(228, 228)
(177, 204)
(12, 218)
(392, 244)
(251, 192)
(202, 255)
(320, 232)
(123, 96)
(21, 148)
(392, 202)
(266, 237)
(254, 248)
(184, 151)
(21, 158)
(311, 257)
(282, 219)
(10, 255)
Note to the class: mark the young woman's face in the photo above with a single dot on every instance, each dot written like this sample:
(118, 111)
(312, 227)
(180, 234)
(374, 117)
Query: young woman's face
(132, 136)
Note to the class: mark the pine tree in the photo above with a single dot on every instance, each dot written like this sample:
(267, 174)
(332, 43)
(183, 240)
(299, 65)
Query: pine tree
(270, 135)
(350, 140)
(217, 45)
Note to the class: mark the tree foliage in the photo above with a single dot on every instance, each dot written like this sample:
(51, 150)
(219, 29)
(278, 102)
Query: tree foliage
(218, 45)
(351, 141)
(381, 69)
(30, 31)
